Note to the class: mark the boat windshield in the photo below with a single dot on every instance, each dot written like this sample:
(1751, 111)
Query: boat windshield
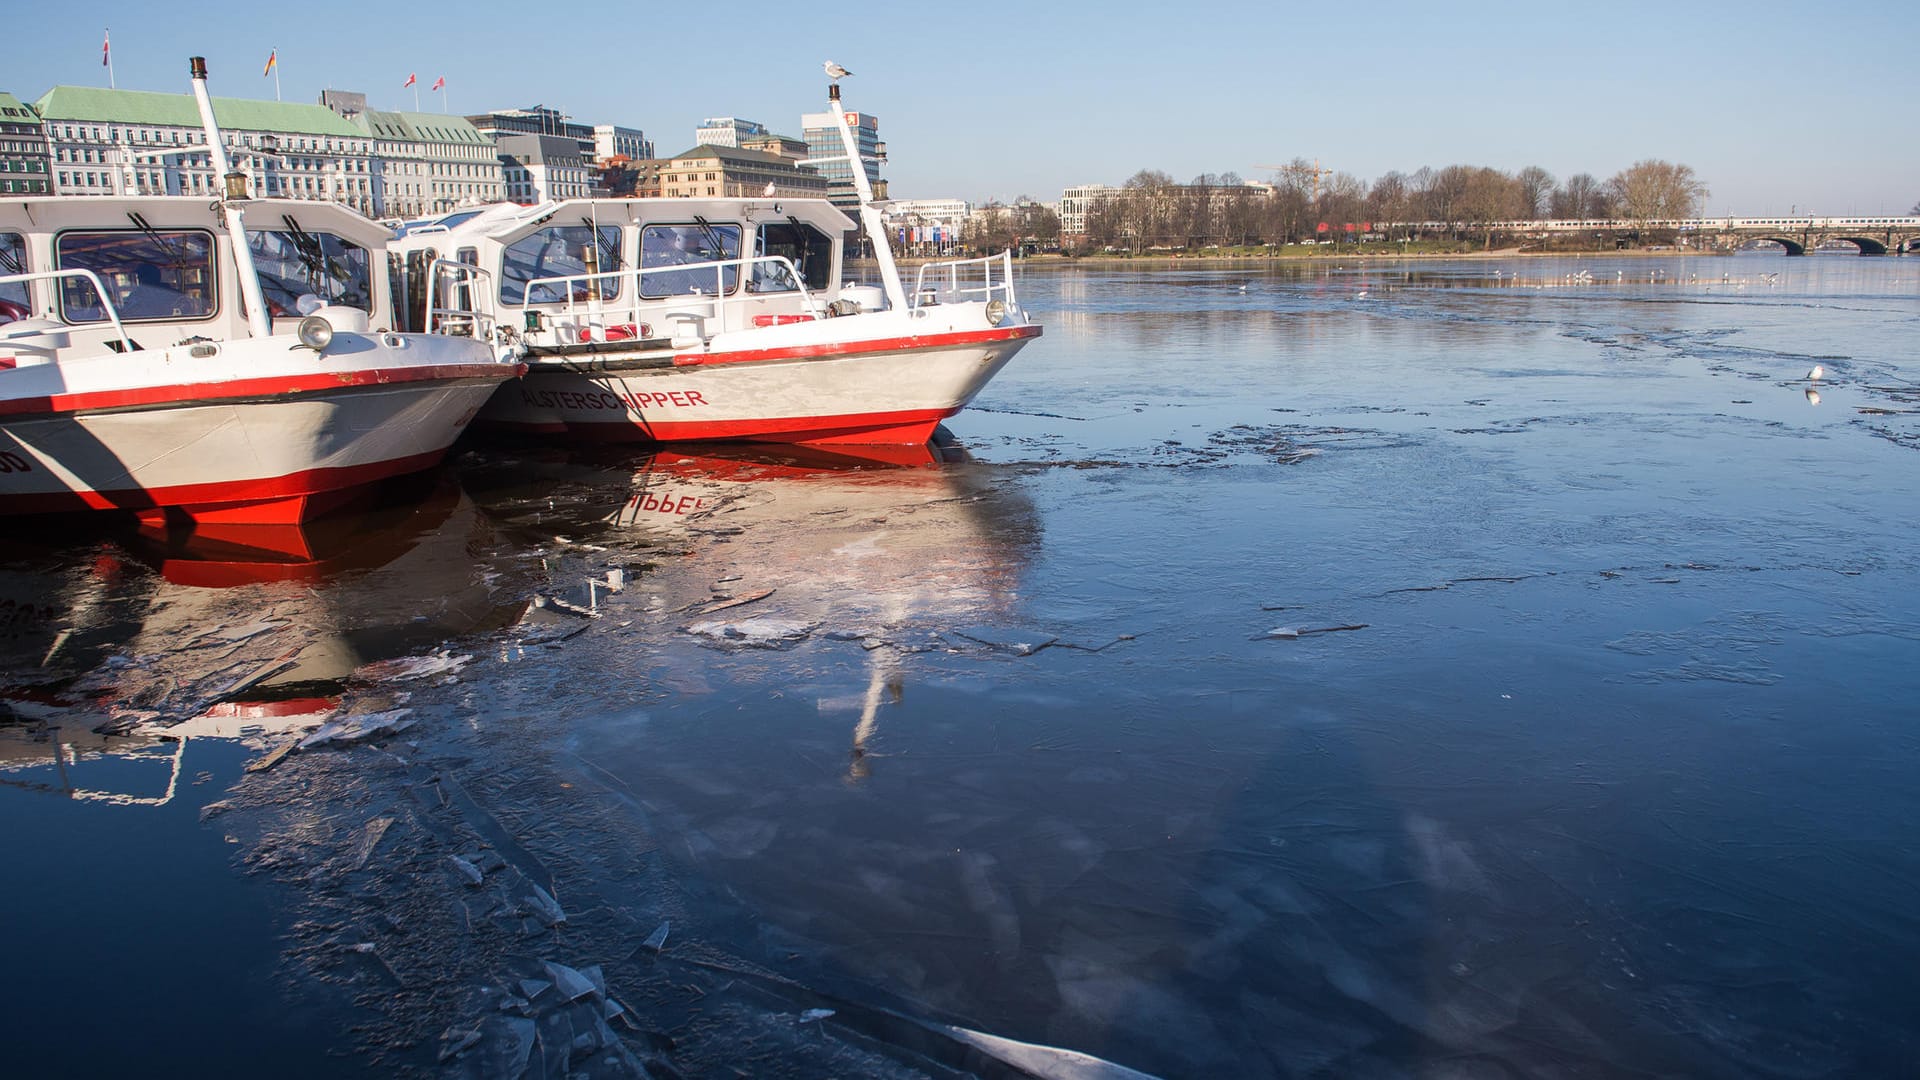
(152, 273)
(13, 295)
(559, 251)
(809, 249)
(677, 245)
(293, 263)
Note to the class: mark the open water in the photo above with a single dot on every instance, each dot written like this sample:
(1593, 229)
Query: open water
(1480, 668)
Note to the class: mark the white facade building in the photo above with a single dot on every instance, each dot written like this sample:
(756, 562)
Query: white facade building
(138, 142)
(1076, 202)
(726, 131)
(612, 140)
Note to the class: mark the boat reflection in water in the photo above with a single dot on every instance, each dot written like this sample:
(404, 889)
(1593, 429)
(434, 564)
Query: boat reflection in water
(753, 546)
(144, 640)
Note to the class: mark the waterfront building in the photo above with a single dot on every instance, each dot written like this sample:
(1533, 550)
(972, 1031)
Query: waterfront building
(727, 131)
(138, 142)
(423, 163)
(23, 149)
(927, 226)
(723, 171)
(823, 141)
(542, 168)
(611, 141)
(1077, 202)
(786, 146)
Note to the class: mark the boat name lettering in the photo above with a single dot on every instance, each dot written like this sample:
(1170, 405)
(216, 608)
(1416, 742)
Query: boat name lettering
(610, 401)
(12, 462)
(666, 504)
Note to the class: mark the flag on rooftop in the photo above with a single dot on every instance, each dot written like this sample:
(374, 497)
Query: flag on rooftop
(272, 59)
(410, 81)
(439, 82)
(106, 46)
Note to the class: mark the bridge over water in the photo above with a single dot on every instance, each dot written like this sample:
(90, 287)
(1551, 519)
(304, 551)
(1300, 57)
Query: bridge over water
(1799, 235)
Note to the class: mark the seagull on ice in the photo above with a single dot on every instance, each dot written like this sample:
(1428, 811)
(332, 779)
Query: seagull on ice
(835, 71)
(1817, 373)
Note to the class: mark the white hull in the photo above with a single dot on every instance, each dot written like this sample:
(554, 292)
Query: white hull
(854, 380)
(258, 432)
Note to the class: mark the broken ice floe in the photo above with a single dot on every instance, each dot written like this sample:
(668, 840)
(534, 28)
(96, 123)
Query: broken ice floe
(764, 632)
(541, 905)
(356, 729)
(656, 940)
(1288, 633)
(469, 872)
(412, 667)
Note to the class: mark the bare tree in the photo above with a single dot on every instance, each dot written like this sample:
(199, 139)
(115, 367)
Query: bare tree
(1536, 190)
(1035, 222)
(1582, 198)
(1654, 190)
(1390, 198)
(1486, 196)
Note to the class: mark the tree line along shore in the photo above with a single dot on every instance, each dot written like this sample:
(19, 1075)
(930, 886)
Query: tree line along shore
(1306, 210)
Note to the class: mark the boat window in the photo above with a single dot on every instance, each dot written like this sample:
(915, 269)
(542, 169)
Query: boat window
(293, 263)
(14, 303)
(683, 245)
(809, 249)
(560, 251)
(152, 274)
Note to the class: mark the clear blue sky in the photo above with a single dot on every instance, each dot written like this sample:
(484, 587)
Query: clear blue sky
(1776, 106)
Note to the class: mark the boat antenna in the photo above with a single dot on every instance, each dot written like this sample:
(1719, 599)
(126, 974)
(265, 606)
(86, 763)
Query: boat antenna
(258, 324)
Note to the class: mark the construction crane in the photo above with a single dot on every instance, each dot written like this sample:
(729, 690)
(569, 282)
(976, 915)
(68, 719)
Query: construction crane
(1301, 170)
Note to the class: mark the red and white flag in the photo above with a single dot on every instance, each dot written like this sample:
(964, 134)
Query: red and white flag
(106, 48)
(438, 83)
(410, 81)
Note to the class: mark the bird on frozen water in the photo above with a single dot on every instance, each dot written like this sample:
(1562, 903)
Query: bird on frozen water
(1819, 372)
(835, 71)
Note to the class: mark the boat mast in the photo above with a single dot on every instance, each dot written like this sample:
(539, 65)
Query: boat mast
(258, 325)
(870, 218)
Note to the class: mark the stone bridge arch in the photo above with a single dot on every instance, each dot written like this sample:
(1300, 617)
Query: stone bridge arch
(1868, 245)
(1793, 244)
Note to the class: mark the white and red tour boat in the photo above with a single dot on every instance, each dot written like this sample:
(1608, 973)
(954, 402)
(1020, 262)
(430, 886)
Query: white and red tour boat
(226, 361)
(677, 319)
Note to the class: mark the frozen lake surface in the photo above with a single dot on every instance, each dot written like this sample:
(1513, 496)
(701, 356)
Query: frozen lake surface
(1468, 668)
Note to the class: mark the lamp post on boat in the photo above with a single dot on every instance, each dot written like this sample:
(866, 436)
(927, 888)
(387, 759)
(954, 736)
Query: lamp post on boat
(258, 325)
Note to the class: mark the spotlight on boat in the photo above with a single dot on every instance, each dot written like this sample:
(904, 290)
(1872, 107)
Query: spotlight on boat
(315, 332)
(996, 312)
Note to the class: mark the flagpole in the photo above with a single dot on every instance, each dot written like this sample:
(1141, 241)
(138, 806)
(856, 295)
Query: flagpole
(106, 38)
(416, 96)
(275, 54)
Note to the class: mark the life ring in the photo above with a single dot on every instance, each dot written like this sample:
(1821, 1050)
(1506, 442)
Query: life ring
(9, 311)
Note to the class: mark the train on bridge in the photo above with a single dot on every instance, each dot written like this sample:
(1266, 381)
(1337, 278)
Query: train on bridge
(1871, 235)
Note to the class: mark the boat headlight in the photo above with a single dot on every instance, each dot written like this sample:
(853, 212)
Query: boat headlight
(315, 332)
(996, 312)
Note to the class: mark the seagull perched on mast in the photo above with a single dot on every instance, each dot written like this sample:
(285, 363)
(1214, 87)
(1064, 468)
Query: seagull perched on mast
(835, 71)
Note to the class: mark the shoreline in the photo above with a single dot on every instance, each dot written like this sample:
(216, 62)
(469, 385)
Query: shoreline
(1174, 260)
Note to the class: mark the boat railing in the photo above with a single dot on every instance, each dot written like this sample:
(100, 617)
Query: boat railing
(956, 281)
(583, 303)
(462, 285)
(111, 313)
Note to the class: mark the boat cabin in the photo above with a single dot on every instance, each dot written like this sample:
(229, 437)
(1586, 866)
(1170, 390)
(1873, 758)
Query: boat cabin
(166, 267)
(593, 272)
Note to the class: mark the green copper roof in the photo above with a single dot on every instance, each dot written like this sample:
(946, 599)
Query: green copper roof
(422, 127)
(98, 105)
(13, 112)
